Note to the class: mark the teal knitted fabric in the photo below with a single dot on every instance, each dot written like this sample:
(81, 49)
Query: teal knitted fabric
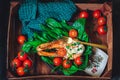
(32, 13)
(28, 10)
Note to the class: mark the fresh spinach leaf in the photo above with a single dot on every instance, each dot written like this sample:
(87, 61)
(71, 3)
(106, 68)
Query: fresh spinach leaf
(70, 70)
(47, 60)
(53, 23)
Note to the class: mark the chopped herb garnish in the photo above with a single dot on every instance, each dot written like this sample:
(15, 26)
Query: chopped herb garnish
(68, 47)
(70, 56)
(79, 49)
(77, 43)
(73, 53)
(74, 44)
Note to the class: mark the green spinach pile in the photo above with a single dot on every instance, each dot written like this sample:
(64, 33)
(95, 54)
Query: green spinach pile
(53, 30)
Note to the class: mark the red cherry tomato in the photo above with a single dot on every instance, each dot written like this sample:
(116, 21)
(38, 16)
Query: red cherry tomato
(83, 14)
(73, 33)
(27, 63)
(22, 56)
(16, 63)
(96, 13)
(66, 64)
(102, 30)
(57, 61)
(101, 21)
(78, 61)
(61, 52)
(21, 39)
(20, 71)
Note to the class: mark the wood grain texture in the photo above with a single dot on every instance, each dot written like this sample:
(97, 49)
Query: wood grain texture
(42, 71)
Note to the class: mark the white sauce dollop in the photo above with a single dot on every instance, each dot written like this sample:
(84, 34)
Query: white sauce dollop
(74, 48)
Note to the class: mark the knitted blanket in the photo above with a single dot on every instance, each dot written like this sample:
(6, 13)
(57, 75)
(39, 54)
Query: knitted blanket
(32, 13)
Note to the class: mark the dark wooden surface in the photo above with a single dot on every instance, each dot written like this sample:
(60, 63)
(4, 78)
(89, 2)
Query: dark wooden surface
(4, 12)
(116, 44)
(40, 67)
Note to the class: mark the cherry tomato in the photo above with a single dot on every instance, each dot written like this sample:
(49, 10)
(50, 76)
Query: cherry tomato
(22, 56)
(101, 21)
(96, 14)
(27, 63)
(61, 52)
(20, 71)
(21, 39)
(16, 63)
(66, 64)
(78, 61)
(57, 61)
(102, 30)
(83, 14)
(73, 33)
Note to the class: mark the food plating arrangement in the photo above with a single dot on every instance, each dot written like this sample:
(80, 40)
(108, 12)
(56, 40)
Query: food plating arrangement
(76, 45)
